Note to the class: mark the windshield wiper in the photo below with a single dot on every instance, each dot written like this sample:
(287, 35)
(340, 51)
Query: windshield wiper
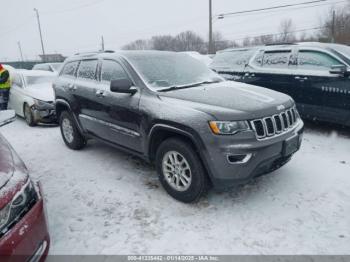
(171, 88)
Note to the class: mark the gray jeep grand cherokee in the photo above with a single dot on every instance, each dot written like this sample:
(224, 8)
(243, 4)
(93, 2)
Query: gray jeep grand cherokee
(172, 110)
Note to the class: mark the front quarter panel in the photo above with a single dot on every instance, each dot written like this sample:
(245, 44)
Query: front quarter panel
(159, 113)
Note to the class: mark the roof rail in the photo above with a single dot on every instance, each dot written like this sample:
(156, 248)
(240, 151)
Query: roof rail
(282, 43)
(95, 52)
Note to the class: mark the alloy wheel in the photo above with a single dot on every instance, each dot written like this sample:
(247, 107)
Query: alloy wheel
(177, 171)
(67, 130)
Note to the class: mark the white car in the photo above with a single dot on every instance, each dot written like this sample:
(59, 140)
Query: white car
(32, 96)
(51, 67)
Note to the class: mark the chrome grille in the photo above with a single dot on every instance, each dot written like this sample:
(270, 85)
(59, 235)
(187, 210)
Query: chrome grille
(274, 125)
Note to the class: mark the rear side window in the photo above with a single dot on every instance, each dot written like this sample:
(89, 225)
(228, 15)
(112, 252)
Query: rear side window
(234, 60)
(69, 69)
(278, 60)
(314, 60)
(112, 70)
(87, 69)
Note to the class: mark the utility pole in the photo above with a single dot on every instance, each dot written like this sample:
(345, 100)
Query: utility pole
(102, 44)
(41, 35)
(211, 46)
(20, 50)
(333, 27)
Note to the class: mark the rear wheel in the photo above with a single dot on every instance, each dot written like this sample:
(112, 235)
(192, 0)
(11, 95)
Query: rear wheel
(70, 133)
(181, 171)
(28, 115)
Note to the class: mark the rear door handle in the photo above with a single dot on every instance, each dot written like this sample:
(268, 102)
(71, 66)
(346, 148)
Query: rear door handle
(301, 78)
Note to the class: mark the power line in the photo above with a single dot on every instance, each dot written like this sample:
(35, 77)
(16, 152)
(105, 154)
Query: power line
(291, 9)
(74, 8)
(269, 8)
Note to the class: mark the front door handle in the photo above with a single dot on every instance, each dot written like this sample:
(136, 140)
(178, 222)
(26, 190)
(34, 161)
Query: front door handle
(300, 78)
(100, 93)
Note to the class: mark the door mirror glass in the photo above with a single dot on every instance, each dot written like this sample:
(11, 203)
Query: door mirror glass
(124, 86)
(6, 117)
(338, 70)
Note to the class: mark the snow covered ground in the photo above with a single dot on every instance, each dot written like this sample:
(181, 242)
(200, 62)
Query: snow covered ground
(102, 201)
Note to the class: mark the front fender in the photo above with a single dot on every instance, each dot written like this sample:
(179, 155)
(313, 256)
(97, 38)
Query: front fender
(58, 105)
(182, 131)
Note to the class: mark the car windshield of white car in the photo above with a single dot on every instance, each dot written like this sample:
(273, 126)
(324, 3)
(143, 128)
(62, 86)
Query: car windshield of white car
(56, 66)
(34, 80)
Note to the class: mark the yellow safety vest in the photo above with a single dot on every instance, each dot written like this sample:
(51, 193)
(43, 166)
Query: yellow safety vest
(7, 84)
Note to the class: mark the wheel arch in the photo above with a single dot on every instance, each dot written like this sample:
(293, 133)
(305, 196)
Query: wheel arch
(62, 105)
(161, 132)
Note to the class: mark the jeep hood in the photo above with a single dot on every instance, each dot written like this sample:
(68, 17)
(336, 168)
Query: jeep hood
(230, 100)
(43, 92)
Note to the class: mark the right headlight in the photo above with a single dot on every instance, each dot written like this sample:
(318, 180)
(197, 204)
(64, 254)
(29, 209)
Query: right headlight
(19, 205)
(228, 127)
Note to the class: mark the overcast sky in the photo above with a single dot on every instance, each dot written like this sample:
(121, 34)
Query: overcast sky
(76, 25)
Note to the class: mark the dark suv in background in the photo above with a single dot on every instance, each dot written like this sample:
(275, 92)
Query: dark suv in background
(315, 75)
(172, 110)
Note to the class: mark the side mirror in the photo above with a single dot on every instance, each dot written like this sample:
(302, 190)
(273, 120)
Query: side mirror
(124, 86)
(6, 117)
(338, 70)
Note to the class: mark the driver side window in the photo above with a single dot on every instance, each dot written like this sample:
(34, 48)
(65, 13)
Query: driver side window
(314, 60)
(112, 70)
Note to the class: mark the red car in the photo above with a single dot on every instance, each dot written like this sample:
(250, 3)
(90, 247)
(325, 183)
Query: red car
(24, 232)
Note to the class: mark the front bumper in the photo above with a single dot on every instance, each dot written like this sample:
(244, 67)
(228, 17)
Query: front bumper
(44, 114)
(255, 157)
(29, 239)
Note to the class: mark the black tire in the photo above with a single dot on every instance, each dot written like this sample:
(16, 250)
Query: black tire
(199, 184)
(28, 116)
(77, 141)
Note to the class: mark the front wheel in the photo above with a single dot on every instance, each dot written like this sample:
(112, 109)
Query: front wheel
(70, 133)
(181, 171)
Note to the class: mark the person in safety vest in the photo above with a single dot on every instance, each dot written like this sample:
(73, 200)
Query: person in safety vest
(4, 87)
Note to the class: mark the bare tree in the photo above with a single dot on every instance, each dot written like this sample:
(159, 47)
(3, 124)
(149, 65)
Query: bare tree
(262, 40)
(138, 45)
(220, 43)
(247, 42)
(336, 26)
(189, 41)
(286, 30)
(163, 43)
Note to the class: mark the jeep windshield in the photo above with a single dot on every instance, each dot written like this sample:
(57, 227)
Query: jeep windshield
(166, 71)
